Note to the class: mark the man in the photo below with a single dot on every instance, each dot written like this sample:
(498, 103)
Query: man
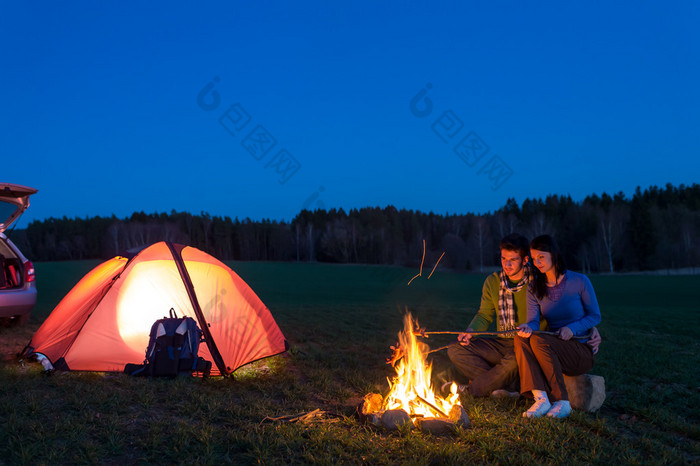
(489, 363)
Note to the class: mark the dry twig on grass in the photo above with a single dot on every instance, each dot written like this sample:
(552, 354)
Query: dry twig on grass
(312, 416)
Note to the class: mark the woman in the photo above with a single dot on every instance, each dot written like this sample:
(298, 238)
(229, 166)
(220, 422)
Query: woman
(567, 301)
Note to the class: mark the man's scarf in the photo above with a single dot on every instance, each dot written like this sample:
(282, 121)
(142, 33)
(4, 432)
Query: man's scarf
(507, 317)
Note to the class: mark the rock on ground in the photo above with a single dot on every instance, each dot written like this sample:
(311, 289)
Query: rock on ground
(372, 402)
(459, 416)
(437, 426)
(395, 418)
(586, 392)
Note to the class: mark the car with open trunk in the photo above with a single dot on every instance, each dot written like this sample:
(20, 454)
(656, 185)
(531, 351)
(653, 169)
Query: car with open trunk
(17, 278)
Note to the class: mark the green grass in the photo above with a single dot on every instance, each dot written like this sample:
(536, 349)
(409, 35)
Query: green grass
(340, 321)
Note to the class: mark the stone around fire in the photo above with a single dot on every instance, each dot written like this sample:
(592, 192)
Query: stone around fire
(437, 425)
(395, 418)
(459, 416)
(372, 403)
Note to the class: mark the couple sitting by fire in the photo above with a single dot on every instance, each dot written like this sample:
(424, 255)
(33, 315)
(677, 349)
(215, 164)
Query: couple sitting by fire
(521, 298)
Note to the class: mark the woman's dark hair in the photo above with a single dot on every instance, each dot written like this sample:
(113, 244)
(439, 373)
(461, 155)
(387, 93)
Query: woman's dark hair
(547, 244)
(517, 243)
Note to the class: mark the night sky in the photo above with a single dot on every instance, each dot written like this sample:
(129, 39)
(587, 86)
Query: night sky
(260, 109)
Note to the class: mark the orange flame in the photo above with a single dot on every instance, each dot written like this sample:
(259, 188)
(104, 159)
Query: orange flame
(411, 389)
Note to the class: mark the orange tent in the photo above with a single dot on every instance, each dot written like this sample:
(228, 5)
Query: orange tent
(103, 323)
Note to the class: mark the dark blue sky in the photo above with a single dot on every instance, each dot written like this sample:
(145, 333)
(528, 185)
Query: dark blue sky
(311, 104)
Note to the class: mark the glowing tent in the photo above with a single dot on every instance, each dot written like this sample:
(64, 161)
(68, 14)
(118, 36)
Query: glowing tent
(103, 323)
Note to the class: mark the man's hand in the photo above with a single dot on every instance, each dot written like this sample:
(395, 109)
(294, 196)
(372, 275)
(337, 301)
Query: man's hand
(595, 340)
(524, 331)
(463, 338)
(565, 333)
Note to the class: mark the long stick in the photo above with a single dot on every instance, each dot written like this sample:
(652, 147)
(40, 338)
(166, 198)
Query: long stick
(472, 333)
(397, 354)
(505, 332)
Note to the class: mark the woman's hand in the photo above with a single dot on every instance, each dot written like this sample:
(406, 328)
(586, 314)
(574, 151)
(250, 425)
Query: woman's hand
(595, 340)
(565, 333)
(524, 331)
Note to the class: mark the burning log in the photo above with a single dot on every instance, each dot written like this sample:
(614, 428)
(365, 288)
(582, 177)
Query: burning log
(432, 406)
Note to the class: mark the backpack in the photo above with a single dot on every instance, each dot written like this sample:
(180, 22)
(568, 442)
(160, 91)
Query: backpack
(172, 349)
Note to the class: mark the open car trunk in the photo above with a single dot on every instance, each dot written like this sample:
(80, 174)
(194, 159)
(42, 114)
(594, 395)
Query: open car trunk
(11, 268)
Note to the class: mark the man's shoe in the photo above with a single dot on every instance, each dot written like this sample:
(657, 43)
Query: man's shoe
(539, 409)
(560, 409)
(500, 393)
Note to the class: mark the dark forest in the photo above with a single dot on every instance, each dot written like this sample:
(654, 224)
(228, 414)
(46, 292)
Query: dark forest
(657, 228)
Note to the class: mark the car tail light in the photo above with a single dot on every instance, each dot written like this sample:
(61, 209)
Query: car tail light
(29, 275)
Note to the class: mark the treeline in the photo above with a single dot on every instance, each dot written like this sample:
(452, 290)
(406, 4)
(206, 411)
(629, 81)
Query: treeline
(656, 228)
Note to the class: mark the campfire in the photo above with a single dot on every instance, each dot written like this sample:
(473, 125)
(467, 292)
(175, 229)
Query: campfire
(412, 397)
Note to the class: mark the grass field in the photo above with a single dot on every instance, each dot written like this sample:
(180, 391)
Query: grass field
(340, 321)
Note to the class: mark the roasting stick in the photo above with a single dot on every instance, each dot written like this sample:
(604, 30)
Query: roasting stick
(422, 333)
(504, 332)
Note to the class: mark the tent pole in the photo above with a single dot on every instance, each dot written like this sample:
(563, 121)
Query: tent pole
(216, 355)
